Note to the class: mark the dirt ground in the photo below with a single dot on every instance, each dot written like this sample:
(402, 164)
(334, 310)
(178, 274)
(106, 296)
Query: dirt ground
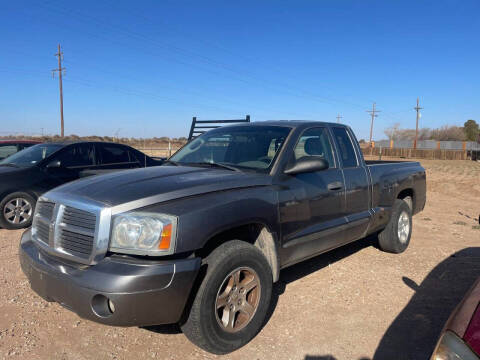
(353, 303)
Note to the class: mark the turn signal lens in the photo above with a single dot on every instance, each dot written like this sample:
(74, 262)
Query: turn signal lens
(166, 237)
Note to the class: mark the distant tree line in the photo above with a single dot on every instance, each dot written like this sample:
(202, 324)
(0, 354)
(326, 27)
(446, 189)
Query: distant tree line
(155, 142)
(470, 131)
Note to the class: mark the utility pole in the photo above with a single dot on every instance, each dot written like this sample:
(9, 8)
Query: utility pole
(373, 113)
(60, 71)
(339, 117)
(417, 109)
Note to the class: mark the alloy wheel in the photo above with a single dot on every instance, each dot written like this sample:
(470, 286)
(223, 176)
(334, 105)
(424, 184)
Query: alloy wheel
(17, 211)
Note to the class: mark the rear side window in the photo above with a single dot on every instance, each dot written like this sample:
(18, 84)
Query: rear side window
(112, 154)
(315, 142)
(345, 147)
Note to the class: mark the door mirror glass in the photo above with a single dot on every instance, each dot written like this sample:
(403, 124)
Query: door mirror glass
(55, 164)
(307, 164)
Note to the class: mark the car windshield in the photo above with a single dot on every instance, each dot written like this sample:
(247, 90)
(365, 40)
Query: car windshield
(249, 147)
(31, 156)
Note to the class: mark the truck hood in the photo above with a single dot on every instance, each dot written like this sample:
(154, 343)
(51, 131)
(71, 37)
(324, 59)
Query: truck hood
(141, 187)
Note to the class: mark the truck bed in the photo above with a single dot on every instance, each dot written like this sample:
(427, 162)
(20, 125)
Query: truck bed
(389, 176)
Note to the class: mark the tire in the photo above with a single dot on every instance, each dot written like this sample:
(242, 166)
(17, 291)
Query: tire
(207, 325)
(396, 236)
(16, 211)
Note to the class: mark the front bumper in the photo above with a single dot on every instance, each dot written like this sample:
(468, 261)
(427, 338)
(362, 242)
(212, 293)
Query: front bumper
(143, 292)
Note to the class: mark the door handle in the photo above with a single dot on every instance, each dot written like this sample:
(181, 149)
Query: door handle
(337, 185)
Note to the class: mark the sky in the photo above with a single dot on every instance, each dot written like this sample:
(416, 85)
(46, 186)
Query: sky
(144, 68)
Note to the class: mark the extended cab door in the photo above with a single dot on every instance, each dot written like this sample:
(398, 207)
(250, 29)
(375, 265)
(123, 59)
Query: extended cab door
(312, 204)
(357, 184)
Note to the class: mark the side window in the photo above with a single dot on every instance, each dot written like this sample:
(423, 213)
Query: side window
(112, 154)
(7, 150)
(137, 157)
(77, 155)
(315, 142)
(345, 147)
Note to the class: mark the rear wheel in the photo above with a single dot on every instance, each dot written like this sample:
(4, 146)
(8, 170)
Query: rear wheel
(232, 301)
(17, 210)
(395, 238)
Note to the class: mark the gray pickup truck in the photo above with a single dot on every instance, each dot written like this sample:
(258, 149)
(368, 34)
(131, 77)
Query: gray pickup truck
(200, 240)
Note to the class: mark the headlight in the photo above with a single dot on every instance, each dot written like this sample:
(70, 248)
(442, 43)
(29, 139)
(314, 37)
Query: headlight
(452, 347)
(142, 233)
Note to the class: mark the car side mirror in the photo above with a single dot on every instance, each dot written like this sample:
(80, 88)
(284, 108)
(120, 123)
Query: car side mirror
(307, 164)
(55, 164)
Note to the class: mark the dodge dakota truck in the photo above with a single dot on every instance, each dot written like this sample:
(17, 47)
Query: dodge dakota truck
(200, 240)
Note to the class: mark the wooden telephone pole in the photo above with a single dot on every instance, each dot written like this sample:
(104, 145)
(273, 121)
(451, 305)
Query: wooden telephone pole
(417, 109)
(339, 117)
(373, 113)
(60, 71)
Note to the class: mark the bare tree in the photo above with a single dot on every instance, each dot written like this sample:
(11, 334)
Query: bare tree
(392, 131)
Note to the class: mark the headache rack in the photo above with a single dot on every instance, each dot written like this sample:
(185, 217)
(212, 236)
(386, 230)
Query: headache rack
(196, 130)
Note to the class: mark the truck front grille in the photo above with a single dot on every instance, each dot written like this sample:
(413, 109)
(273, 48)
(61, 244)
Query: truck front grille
(76, 232)
(66, 230)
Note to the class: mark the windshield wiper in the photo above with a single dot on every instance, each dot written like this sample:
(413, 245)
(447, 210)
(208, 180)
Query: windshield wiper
(218, 165)
(9, 164)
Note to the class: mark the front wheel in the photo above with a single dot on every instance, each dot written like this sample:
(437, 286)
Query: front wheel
(233, 299)
(396, 236)
(16, 210)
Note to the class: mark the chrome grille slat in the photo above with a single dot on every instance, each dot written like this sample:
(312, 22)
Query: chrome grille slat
(85, 239)
(76, 247)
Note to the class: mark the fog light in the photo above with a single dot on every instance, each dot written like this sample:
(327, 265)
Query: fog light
(102, 306)
(111, 306)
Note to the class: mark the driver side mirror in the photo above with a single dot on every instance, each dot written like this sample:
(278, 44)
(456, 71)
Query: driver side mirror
(55, 164)
(307, 164)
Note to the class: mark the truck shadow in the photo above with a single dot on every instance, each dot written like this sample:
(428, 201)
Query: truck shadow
(414, 332)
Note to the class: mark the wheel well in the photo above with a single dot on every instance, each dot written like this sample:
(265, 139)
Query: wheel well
(255, 234)
(408, 196)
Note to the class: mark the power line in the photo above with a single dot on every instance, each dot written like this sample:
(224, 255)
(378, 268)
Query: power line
(189, 54)
(373, 113)
(60, 71)
(417, 109)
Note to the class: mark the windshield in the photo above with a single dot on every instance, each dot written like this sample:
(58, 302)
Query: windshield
(31, 155)
(251, 147)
